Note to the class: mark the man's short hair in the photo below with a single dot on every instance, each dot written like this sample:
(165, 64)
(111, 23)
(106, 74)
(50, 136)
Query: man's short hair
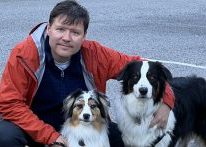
(74, 12)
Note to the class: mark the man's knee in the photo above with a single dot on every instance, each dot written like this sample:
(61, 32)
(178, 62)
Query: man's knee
(11, 135)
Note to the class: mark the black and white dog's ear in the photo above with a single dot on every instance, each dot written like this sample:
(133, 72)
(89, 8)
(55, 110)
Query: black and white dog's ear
(69, 102)
(124, 72)
(128, 68)
(121, 75)
(167, 74)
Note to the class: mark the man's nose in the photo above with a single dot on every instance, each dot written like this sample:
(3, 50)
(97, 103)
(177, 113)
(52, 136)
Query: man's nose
(67, 36)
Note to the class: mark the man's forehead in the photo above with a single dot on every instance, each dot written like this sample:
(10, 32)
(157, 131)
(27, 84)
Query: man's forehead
(66, 20)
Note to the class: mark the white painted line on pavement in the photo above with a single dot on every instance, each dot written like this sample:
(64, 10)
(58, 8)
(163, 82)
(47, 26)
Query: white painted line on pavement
(178, 63)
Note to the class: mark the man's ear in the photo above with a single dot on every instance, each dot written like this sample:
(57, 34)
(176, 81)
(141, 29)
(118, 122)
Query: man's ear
(48, 28)
(85, 34)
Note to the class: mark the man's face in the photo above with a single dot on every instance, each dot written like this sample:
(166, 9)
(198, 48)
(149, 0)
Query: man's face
(65, 39)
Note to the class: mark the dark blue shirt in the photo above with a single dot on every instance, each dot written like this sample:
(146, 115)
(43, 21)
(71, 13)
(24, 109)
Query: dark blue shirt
(55, 86)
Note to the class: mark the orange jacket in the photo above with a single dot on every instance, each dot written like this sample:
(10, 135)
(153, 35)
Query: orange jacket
(24, 70)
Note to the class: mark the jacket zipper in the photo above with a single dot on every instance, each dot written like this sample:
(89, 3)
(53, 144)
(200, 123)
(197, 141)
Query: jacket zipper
(62, 73)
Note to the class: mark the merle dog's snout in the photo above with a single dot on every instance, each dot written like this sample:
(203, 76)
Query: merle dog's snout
(86, 116)
(143, 90)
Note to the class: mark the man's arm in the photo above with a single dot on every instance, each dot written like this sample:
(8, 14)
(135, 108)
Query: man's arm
(162, 114)
(15, 88)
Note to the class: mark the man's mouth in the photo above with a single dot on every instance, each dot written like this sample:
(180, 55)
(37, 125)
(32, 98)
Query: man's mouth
(66, 46)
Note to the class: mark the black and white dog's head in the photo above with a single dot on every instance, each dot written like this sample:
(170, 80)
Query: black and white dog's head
(143, 86)
(86, 107)
(145, 80)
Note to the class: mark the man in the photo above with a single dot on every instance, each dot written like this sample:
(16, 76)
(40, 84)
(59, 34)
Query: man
(54, 60)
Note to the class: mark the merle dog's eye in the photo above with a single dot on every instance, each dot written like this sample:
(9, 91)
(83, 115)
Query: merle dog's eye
(79, 106)
(93, 106)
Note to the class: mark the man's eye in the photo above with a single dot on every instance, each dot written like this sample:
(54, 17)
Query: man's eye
(75, 32)
(93, 106)
(60, 29)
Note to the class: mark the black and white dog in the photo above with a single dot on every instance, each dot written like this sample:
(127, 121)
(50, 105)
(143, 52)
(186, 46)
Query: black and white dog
(86, 114)
(143, 85)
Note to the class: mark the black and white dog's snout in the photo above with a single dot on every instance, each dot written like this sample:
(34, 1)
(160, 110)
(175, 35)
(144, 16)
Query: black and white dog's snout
(143, 91)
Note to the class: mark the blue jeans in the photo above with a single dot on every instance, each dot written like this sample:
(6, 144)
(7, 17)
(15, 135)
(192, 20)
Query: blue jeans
(14, 136)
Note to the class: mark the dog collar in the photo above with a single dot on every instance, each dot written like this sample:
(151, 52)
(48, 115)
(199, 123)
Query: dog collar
(81, 142)
(137, 120)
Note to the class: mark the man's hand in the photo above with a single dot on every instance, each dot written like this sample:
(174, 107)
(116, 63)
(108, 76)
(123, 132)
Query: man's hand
(161, 117)
(60, 142)
(61, 139)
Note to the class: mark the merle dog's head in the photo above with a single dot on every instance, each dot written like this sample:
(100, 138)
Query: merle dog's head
(86, 107)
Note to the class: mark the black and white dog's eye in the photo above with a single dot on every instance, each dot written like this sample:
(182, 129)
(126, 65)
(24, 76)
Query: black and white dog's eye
(152, 77)
(93, 106)
(136, 76)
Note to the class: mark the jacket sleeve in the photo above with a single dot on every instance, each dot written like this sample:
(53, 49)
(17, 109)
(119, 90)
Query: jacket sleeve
(168, 96)
(15, 87)
(115, 61)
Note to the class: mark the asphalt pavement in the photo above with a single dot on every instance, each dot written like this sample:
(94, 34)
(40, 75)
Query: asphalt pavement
(172, 31)
(165, 30)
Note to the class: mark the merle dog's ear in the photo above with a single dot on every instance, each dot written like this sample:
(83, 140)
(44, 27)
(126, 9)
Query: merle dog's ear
(103, 103)
(103, 99)
(69, 102)
(68, 106)
(166, 72)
